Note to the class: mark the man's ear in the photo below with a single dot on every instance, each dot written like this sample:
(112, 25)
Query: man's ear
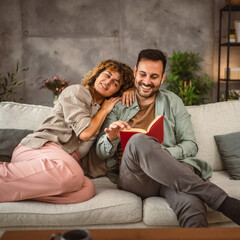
(163, 77)
(135, 71)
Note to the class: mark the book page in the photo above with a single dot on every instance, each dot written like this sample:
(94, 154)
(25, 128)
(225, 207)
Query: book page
(155, 119)
(140, 130)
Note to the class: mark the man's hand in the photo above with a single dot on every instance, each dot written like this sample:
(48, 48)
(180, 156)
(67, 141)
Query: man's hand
(113, 132)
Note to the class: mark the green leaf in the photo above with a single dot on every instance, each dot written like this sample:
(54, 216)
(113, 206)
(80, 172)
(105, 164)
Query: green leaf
(9, 82)
(185, 78)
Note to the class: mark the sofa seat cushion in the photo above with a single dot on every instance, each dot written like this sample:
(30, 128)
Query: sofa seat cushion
(157, 212)
(231, 187)
(109, 206)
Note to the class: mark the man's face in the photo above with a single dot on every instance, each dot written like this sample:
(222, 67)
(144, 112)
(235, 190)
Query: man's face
(148, 77)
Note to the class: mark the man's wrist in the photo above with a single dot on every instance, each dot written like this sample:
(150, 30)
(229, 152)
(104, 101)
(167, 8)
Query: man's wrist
(112, 142)
(109, 139)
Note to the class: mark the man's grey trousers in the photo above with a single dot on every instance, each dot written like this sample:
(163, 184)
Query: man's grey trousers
(148, 170)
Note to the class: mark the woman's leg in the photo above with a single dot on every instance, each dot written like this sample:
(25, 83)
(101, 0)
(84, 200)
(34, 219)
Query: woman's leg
(35, 173)
(85, 193)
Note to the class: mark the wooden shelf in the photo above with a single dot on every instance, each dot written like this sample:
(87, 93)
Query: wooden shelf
(229, 80)
(231, 44)
(227, 10)
(234, 7)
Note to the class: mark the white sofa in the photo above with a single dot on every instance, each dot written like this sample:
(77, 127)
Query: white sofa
(113, 208)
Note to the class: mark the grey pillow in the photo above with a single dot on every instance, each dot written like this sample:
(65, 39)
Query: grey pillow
(229, 149)
(9, 139)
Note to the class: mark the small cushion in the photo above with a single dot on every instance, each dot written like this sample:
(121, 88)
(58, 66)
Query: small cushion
(229, 149)
(9, 139)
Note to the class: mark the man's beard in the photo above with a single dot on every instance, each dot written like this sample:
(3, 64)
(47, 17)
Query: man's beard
(154, 92)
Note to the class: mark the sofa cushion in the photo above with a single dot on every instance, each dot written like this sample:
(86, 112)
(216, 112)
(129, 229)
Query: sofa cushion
(157, 212)
(27, 115)
(109, 206)
(231, 187)
(9, 139)
(210, 120)
(229, 148)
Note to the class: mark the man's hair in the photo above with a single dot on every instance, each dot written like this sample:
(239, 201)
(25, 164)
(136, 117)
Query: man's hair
(126, 74)
(154, 55)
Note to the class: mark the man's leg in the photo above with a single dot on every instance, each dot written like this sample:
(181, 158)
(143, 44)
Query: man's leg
(143, 155)
(189, 209)
(133, 179)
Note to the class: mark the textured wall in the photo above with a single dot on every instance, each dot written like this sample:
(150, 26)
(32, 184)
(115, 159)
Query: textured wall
(67, 38)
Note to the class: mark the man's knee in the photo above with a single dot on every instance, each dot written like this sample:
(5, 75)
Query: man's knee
(141, 141)
(138, 138)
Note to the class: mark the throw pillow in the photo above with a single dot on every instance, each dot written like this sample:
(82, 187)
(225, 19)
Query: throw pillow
(229, 149)
(9, 139)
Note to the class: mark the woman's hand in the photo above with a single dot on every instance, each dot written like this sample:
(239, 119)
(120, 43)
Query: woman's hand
(109, 104)
(128, 97)
(113, 132)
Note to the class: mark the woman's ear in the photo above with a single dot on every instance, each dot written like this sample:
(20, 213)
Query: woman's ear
(135, 71)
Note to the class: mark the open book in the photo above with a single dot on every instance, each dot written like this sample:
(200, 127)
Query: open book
(155, 129)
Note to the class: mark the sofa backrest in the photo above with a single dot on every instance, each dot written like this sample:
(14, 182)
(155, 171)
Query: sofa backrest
(22, 116)
(210, 120)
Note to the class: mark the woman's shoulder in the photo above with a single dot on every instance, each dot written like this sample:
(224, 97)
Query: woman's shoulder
(76, 90)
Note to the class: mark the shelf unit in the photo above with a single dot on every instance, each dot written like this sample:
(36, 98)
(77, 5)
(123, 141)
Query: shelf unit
(228, 9)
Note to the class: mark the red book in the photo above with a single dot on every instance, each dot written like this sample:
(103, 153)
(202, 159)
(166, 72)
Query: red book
(155, 129)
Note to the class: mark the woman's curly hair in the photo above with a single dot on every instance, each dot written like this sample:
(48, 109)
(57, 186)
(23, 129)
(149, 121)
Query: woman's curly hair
(125, 72)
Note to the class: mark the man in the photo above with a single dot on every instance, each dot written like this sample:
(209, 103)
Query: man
(169, 170)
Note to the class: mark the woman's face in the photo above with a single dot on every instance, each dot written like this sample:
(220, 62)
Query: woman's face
(107, 83)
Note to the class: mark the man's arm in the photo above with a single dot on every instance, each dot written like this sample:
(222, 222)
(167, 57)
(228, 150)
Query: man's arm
(186, 142)
(186, 145)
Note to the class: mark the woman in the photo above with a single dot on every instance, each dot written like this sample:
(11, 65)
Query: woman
(44, 166)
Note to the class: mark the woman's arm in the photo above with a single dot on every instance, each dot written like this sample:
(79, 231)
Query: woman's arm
(104, 148)
(98, 119)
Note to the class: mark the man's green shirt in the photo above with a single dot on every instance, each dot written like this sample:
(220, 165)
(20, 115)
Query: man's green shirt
(179, 138)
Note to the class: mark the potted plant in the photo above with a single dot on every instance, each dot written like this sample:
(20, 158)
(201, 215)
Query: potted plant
(184, 80)
(232, 95)
(9, 83)
(56, 85)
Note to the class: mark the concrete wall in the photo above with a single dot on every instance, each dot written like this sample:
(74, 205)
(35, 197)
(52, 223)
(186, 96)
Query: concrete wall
(69, 37)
